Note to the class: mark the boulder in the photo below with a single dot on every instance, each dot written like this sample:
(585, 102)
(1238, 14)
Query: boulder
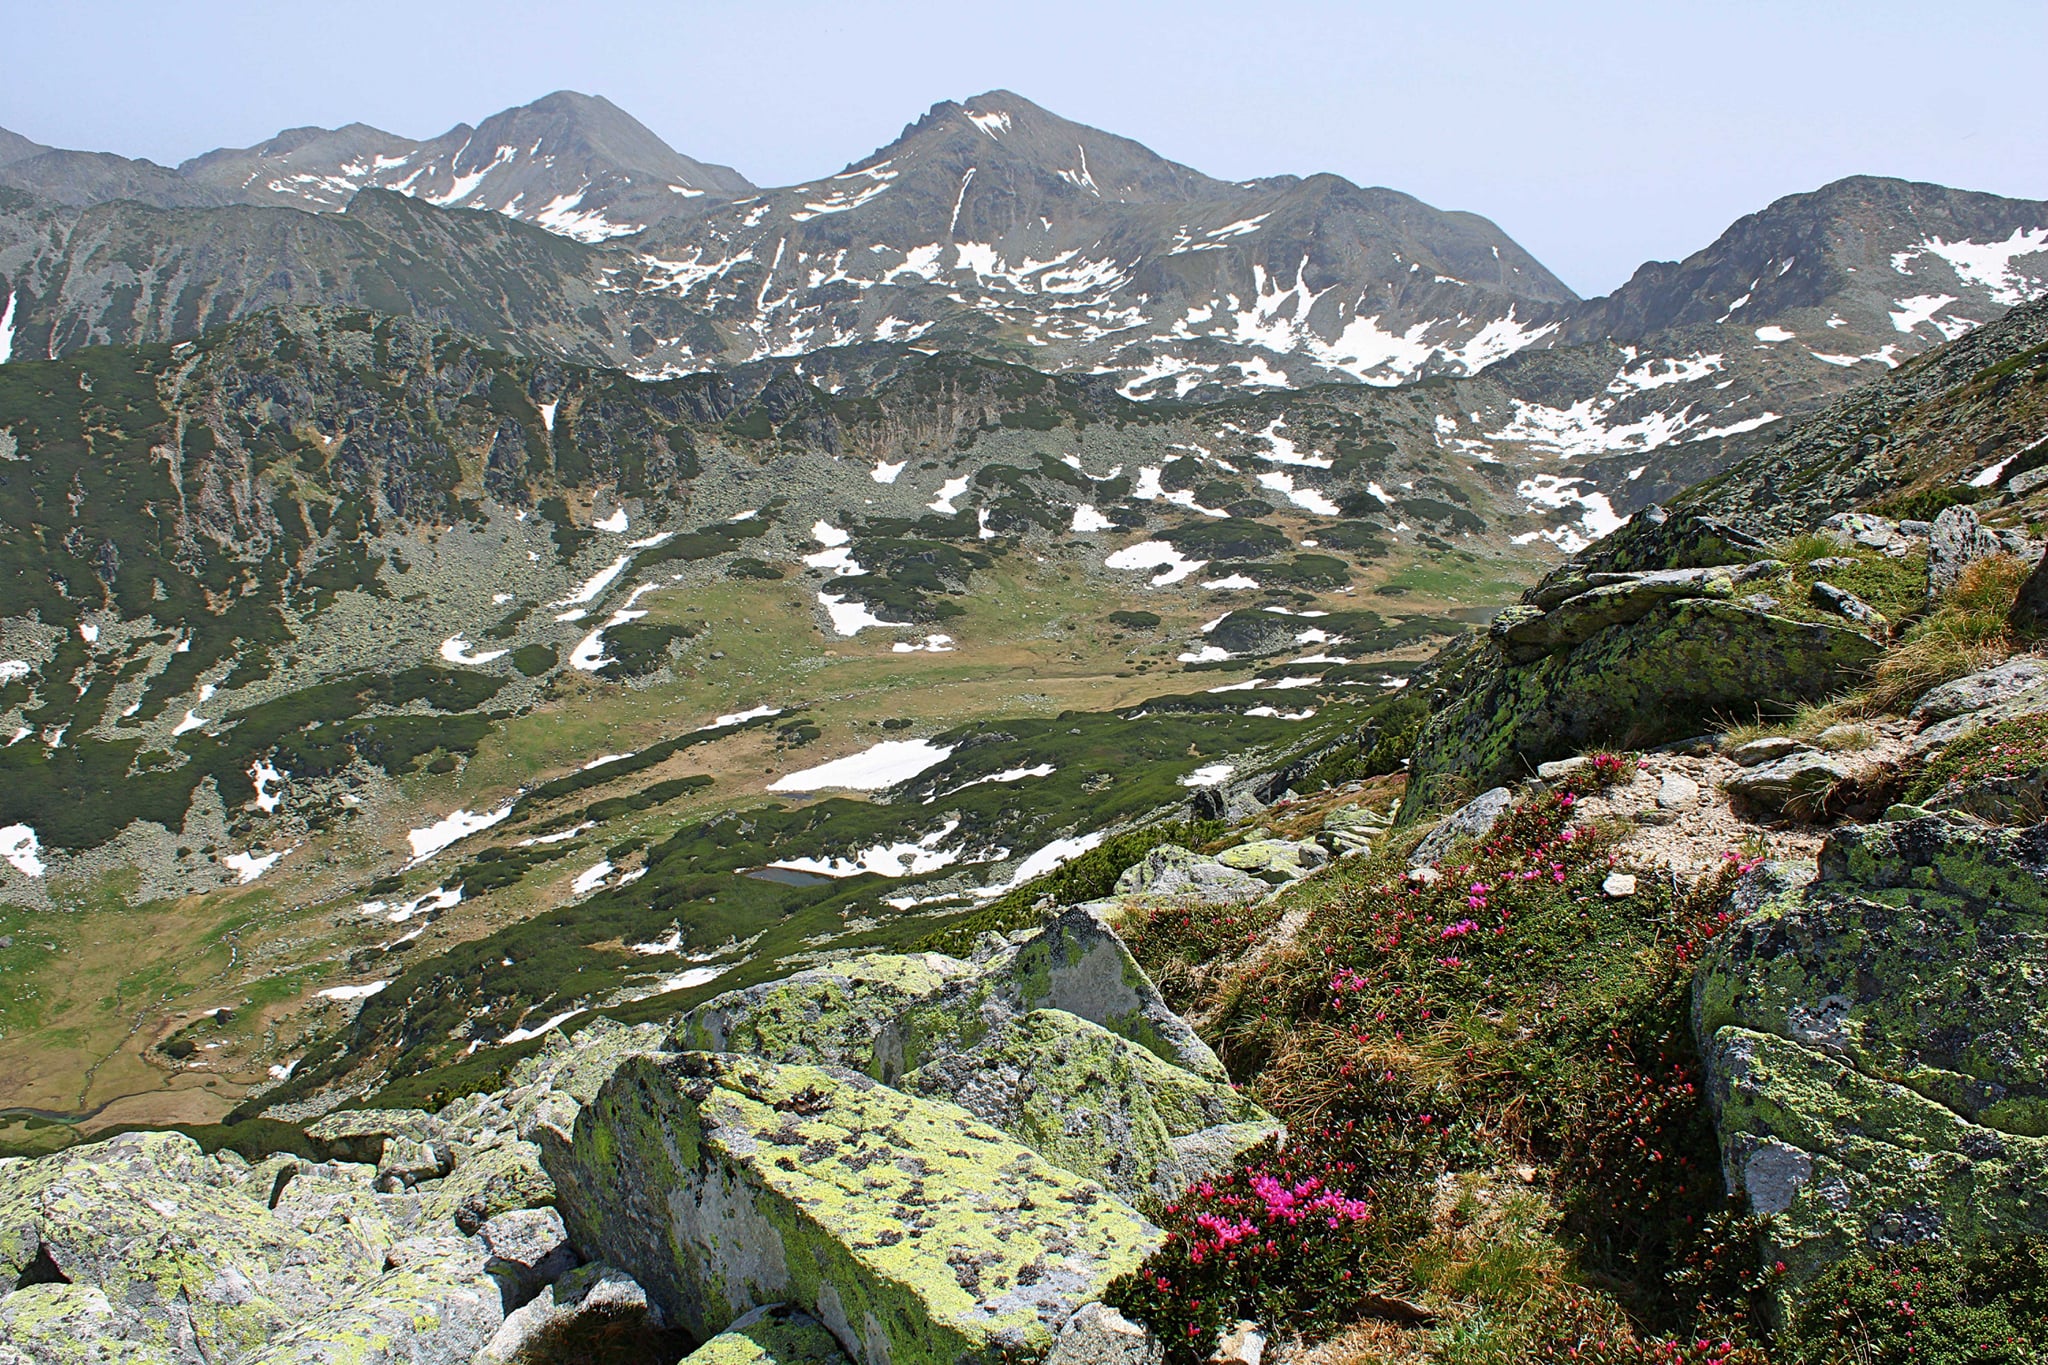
(1095, 1103)
(1473, 820)
(1613, 600)
(1677, 792)
(1170, 872)
(1801, 781)
(1956, 541)
(361, 1134)
(497, 1179)
(1768, 749)
(1979, 690)
(773, 1335)
(434, 1306)
(594, 1315)
(71, 1324)
(406, 1161)
(1275, 859)
(827, 1016)
(2030, 611)
(1876, 1046)
(1667, 675)
(912, 1230)
(547, 1088)
(1847, 605)
(1099, 1335)
(199, 1270)
(1351, 829)
(526, 1250)
(1870, 532)
(1076, 964)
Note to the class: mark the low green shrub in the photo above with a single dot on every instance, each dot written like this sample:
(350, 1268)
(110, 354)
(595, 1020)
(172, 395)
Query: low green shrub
(1925, 1305)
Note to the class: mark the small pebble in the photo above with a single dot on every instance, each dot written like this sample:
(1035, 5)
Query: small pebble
(1619, 884)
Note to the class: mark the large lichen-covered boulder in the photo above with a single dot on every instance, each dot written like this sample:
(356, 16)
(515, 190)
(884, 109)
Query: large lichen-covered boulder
(434, 1306)
(70, 1324)
(1097, 1104)
(196, 1268)
(827, 1016)
(501, 1178)
(1060, 1040)
(1076, 964)
(362, 1134)
(918, 1234)
(1170, 872)
(774, 1334)
(1876, 1042)
(1663, 676)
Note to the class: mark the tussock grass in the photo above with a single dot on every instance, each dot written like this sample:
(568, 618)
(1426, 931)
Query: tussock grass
(1967, 632)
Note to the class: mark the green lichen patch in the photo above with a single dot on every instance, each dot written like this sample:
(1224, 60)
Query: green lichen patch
(771, 1336)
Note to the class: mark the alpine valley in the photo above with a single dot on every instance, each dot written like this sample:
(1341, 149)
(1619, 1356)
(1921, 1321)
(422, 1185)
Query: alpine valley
(523, 644)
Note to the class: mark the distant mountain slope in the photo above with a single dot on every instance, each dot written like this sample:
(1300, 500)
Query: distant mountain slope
(1965, 423)
(575, 164)
(997, 228)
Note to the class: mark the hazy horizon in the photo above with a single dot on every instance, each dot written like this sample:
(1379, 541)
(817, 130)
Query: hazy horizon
(1598, 138)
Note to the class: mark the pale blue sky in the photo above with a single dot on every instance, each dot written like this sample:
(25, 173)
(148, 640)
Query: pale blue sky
(1597, 134)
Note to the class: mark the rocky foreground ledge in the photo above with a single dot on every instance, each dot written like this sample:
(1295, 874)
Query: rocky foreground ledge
(900, 1159)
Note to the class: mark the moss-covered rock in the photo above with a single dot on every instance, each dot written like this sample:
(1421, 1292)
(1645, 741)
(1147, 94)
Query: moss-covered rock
(70, 1324)
(362, 1134)
(1877, 1041)
(827, 1016)
(594, 1315)
(1170, 872)
(1660, 677)
(915, 1232)
(772, 1335)
(434, 1306)
(1097, 1104)
(1076, 964)
(198, 1269)
(502, 1178)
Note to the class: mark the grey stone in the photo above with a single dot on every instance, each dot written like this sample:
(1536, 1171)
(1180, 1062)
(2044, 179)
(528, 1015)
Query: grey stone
(433, 1306)
(2019, 485)
(360, 1134)
(1619, 885)
(1979, 690)
(1847, 605)
(1872, 1042)
(1473, 820)
(526, 1250)
(2030, 611)
(911, 1229)
(1562, 767)
(1172, 872)
(1099, 1335)
(1870, 532)
(590, 1309)
(1677, 792)
(1765, 750)
(1281, 858)
(1799, 780)
(405, 1162)
(1243, 1344)
(774, 1334)
(1957, 541)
